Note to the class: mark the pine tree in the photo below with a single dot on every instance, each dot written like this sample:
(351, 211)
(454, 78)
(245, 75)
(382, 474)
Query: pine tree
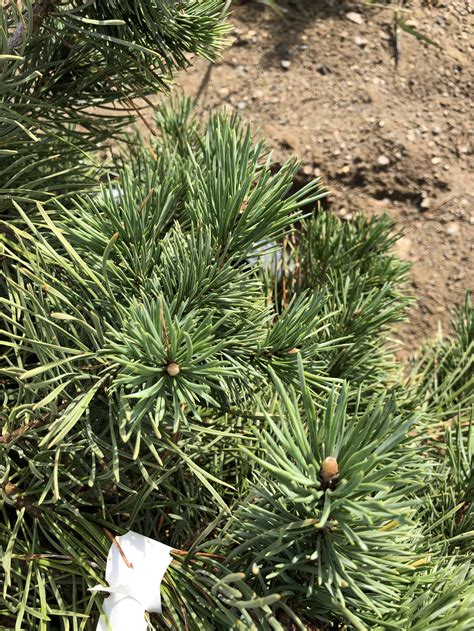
(194, 351)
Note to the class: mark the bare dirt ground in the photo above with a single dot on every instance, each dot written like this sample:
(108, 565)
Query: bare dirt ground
(324, 84)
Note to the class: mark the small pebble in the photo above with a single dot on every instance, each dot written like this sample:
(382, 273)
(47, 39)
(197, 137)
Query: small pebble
(452, 229)
(360, 41)
(322, 69)
(285, 64)
(383, 161)
(357, 18)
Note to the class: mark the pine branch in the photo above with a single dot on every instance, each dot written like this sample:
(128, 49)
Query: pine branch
(77, 83)
(39, 11)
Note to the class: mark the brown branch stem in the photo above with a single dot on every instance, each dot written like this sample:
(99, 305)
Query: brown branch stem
(41, 9)
(128, 563)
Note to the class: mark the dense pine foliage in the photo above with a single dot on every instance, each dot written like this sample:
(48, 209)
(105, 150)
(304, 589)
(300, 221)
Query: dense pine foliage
(194, 351)
(70, 76)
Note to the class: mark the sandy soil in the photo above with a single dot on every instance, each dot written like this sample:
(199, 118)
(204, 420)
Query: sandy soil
(381, 116)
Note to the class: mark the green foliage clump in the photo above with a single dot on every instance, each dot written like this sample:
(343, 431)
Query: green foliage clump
(70, 73)
(329, 520)
(366, 288)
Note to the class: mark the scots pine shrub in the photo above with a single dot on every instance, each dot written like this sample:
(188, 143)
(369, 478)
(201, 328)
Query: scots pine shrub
(194, 352)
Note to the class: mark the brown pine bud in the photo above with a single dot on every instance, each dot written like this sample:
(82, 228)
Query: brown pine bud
(11, 490)
(173, 369)
(329, 473)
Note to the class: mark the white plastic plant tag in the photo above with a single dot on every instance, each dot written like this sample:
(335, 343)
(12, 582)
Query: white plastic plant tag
(122, 612)
(133, 589)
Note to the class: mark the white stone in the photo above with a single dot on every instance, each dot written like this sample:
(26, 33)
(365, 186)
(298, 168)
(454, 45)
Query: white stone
(357, 18)
(452, 229)
(360, 41)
